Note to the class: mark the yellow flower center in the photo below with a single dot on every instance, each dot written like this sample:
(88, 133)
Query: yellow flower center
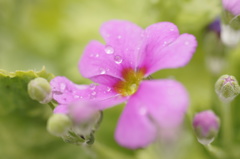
(131, 81)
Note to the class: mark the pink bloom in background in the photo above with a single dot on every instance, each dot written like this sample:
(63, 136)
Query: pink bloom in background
(206, 125)
(130, 55)
(233, 6)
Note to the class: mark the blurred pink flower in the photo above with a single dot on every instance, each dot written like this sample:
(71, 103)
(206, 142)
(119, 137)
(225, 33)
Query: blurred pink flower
(130, 55)
(232, 6)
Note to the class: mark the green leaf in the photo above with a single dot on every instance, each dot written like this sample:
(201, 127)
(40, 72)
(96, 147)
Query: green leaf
(13, 92)
(23, 121)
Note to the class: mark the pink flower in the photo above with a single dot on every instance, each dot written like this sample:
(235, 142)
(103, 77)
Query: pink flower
(130, 55)
(232, 6)
(206, 125)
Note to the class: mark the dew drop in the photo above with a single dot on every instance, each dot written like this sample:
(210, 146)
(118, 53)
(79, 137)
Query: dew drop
(102, 71)
(62, 86)
(186, 43)
(164, 43)
(93, 93)
(109, 49)
(76, 96)
(92, 86)
(108, 89)
(142, 111)
(97, 55)
(118, 59)
(119, 37)
(171, 29)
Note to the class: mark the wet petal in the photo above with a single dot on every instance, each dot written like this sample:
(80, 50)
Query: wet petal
(165, 48)
(166, 101)
(134, 129)
(126, 41)
(104, 96)
(97, 65)
(66, 92)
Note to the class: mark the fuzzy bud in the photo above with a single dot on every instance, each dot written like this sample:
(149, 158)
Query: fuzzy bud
(39, 89)
(206, 126)
(227, 88)
(58, 124)
(85, 117)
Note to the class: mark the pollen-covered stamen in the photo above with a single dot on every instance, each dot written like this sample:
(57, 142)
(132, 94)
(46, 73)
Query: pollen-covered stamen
(131, 81)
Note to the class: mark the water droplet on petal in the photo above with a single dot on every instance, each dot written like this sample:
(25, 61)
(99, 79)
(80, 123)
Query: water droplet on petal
(102, 71)
(186, 43)
(118, 59)
(142, 111)
(76, 96)
(62, 86)
(164, 43)
(109, 49)
(97, 55)
(92, 86)
(119, 37)
(93, 93)
(108, 89)
(171, 29)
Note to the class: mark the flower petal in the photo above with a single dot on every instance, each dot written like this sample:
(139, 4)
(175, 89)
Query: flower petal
(165, 48)
(166, 101)
(126, 40)
(65, 92)
(97, 65)
(61, 109)
(232, 6)
(134, 129)
(104, 96)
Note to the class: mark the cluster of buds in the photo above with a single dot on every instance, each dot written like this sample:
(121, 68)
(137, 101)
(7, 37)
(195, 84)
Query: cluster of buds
(75, 122)
(206, 124)
(78, 125)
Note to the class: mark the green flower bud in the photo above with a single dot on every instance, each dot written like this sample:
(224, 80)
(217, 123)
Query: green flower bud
(39, 89)
(59, 124)
(227, 88)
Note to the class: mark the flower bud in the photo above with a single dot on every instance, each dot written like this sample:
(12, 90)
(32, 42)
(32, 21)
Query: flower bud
(206, 126)
(230, 28)
(39, 89)
(227, 88)
(85, 117)
(58, 124)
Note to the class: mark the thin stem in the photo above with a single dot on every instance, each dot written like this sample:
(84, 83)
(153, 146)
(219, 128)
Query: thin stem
(51, 105)
(226, 124)
(107, 152)
(215, 151)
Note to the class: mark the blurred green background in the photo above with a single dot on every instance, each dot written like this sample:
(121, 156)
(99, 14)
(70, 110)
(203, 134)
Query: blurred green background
(53, 33)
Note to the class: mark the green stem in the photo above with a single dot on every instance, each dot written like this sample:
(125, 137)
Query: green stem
(51, 105)
(215, 151)
(226, 124)
(107, 152)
